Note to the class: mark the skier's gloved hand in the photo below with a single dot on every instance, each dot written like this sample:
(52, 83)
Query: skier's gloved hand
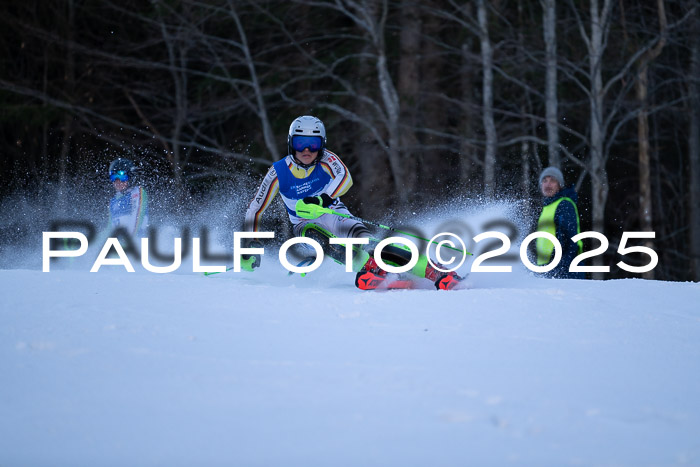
(250, 262)
(322, 200)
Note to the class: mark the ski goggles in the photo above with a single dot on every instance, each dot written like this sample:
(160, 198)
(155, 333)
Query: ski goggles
(120, 175)
(314, 143)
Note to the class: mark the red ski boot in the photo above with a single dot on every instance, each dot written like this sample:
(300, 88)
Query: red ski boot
(442, 280)
(448, 281)
(370, 276)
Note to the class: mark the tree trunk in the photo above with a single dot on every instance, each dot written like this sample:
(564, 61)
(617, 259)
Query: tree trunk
(489, 124)
(392, 108)
(694, 149)
(408, 82)
(641, 91)
(525, 180)
(466, 151)
(390, 101)
(526, 109)
(176, 61)
(374, 177)
(68, 127)
(432, 110)
(645, 201)
(268, 134)
(645, 204)
(551, 102)
(38, 166)
(599, 175)
(371, 181)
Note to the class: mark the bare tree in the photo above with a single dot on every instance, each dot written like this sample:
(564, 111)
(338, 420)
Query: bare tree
(641, 90)
(372, 21)
(69, 78)
(383, 122)
(232, 59)
(549, 21)
(408, 82)
(431, 109)
(595, 44)
(487, 96)
(467, 151)
(694, 146)
(208, 88)
(176, 41)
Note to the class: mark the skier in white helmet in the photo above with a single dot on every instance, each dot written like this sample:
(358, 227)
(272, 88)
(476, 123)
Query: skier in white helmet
(311, 174)
(309, 171)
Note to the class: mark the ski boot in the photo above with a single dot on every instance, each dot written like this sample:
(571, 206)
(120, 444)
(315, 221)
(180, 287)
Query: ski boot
(370, 276)
(442, 280)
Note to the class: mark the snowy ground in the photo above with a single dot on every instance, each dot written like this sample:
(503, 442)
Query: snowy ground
(262, 369)
(113, 368)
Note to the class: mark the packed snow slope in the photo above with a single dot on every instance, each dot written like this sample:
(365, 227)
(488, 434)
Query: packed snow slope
(117, 368)
(266, 369)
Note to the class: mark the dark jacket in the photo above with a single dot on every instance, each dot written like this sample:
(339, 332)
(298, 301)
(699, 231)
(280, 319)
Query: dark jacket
(566, 222)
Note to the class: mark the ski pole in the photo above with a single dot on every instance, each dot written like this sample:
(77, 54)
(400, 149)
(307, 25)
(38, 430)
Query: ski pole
(217, 272)
(312, 211)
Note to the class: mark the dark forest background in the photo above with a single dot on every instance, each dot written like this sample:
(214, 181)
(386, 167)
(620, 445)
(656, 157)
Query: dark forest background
(427, 102)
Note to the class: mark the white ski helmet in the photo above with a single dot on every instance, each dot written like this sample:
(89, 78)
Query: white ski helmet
(307, 125)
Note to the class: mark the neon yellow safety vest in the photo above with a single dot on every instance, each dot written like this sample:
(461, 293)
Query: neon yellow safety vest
(546, 224)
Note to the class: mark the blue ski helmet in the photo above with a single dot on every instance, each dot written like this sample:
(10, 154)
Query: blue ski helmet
(122, 169)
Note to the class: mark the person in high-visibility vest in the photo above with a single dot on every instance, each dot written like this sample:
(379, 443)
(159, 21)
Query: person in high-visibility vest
(560, 218)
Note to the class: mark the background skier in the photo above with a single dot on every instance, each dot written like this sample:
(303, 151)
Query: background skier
(128, 209)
